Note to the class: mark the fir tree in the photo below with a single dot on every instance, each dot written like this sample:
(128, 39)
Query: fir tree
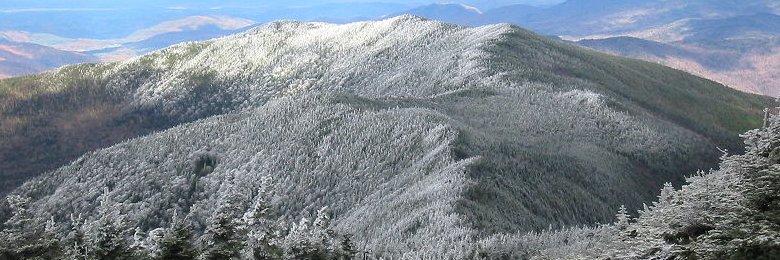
(622, 218)
(24, 238)
(107, 237)
(262, 233)
(176, 241)
(222, 239)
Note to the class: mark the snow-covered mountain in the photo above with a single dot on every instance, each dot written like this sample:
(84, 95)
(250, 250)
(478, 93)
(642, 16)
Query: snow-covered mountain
(422, 137)
(731, 42)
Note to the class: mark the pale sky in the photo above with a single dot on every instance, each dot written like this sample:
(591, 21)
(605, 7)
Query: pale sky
(77, 4)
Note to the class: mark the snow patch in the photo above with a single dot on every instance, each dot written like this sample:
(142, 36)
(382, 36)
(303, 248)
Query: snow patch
(583, 97)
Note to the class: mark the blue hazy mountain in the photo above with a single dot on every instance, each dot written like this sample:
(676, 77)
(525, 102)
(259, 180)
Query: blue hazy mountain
(18, 58)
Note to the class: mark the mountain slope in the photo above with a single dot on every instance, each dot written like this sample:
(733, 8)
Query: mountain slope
(727, 213)
(17, 59)
(732, 42)
(740, 51)
(421, 136)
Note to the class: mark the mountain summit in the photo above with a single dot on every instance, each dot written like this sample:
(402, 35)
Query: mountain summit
(420, 136)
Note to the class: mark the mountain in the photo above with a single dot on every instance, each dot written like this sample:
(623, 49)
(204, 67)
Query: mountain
(732, 42)
(140, 41)
(421, 137)
(452, 13)
(18, 59)
(741, 52)
(716, 215)
(581, 18)
(592, 17)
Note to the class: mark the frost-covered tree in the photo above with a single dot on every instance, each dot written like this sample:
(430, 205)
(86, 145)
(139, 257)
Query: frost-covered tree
(262, 233)
(23, 237)
(622, 217)
(316, 240)
(347, 249)
(175, 242)
(108, 235)
(76, 242)
(729, 213)
(222, 238)
(665, 198)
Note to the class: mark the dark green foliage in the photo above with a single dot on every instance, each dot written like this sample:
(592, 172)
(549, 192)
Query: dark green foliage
(176, 242)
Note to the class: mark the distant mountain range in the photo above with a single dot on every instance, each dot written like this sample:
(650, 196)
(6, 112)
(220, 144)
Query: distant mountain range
(26, 58)
(25, 53)
(732, 42)
(422, 137)
(742, 51)
(590, 17)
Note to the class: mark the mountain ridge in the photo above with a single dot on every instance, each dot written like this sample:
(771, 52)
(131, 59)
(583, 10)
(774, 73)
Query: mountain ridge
(508, 124)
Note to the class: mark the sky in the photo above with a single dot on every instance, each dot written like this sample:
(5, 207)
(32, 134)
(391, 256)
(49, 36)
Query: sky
(75, 5)
(110, 19)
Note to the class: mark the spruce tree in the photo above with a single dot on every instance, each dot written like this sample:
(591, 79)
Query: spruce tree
(222, 239)
(25, 238)
(76, 241)
(108, 233)
(176, 242)
(261, 232)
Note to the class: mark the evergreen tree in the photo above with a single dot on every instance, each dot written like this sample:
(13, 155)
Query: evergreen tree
(51, 241)
(76, 241)
(107, 237)
(262, 233)
(139, 247)
(222, 238)
(347, 249)
(622, 218)
(298, 242)
(176, 241)
(23, 238)
(13, 234)
(316, 240)
(665, 198)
